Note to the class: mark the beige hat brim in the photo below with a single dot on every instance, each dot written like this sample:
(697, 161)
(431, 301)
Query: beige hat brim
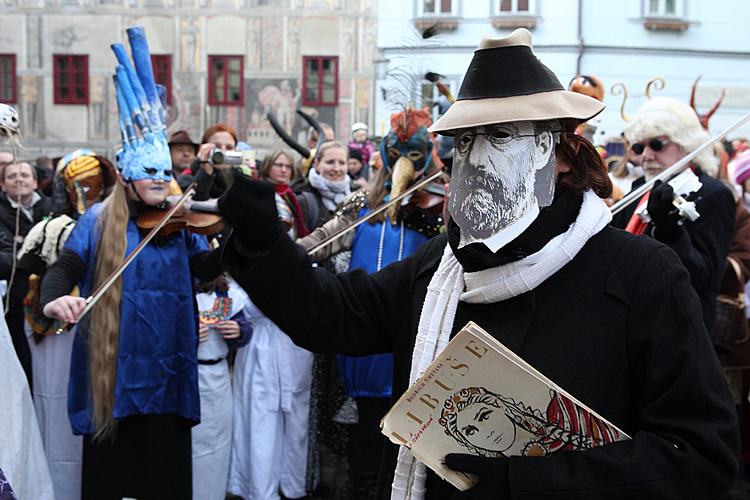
(557, 104)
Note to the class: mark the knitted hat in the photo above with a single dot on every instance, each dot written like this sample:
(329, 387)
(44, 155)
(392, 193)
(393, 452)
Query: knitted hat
(355, 154)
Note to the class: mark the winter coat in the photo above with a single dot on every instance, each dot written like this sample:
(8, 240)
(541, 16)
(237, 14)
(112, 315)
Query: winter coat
(619, 327)
(311, 203)
(704, 245)
(8, 214)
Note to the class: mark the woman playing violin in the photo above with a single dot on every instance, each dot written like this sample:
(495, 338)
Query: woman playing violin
(133, 390)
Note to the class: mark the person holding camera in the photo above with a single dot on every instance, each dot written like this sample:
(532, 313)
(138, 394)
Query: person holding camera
(219, 138)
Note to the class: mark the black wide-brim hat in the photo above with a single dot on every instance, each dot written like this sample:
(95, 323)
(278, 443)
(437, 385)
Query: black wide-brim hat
(505, 83)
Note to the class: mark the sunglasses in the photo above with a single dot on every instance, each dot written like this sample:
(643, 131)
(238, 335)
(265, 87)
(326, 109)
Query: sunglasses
(655, 145)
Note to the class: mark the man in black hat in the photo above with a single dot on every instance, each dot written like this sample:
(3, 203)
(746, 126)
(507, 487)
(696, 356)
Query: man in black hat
(183, 151)
(530, 256)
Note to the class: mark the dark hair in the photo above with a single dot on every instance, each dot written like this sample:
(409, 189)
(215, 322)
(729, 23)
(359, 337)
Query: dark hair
(218, 284)
(43, 162)
(355, 154)
(18, 162)
(587, 168)
(269, 160)
(219, 127)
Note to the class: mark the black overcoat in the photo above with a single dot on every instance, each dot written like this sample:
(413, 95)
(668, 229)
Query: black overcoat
(704, 244)
(619, 327)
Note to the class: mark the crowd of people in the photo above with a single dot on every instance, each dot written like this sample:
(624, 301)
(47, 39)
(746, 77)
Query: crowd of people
(256, 360)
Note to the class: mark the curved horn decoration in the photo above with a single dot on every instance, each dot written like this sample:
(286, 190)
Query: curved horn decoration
(286, 137)
(314, 123)
(658, 83)
(692, 92)
(616, 89)
(710, 113)
(705, 117)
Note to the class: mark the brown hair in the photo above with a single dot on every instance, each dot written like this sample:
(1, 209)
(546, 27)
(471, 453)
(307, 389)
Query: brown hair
(104, 330)
(376, 192)
(4, 167)
(218, 284)
(587, 169)
(219, 127)
(269, 160)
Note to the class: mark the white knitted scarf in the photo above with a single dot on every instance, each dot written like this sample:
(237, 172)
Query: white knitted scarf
(450, 284)
(332, 192)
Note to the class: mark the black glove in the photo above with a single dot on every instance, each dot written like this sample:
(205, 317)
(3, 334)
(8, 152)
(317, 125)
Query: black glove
(493, 476)
(249, 206)
(663, 213)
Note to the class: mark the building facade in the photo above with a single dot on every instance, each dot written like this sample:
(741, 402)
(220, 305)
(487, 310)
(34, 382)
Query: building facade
(222, 61)
(627, 41)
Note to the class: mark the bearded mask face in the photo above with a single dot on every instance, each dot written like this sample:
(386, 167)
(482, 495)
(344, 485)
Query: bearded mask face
(502, 175)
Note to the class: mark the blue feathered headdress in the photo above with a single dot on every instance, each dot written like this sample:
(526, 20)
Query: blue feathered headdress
(142, 115)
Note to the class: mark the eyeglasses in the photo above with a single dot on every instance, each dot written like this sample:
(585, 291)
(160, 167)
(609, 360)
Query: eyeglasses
(282, 165)
(496, 137)
(656, 145)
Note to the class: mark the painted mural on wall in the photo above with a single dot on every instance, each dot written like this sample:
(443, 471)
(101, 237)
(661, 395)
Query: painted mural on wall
(190, 42)
(99, 107)
(64, 38)
(30, 94)
(185, 110)
(282, 96)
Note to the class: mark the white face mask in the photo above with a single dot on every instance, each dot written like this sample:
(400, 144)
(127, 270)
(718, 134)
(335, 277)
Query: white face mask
(502, 175)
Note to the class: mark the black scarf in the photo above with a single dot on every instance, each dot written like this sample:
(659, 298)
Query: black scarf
(552, 221)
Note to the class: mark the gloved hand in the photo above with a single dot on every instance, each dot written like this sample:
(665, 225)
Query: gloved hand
(492, 472)
(249, 206)
(663, 213)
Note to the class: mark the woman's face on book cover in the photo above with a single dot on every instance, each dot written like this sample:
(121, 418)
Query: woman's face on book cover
(486, 427)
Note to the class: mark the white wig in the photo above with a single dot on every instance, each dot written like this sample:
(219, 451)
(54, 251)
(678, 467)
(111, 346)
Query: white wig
(664, 116)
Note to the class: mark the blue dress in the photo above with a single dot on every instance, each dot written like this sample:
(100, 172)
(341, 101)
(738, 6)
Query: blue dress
(157, 370)
(372, 376)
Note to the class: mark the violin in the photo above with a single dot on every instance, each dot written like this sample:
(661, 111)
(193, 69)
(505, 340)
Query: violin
(429, 200)
(422, 184)
(164, 216)
(199, 218)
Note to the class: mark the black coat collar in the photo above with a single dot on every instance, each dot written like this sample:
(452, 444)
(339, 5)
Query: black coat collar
(552, 220)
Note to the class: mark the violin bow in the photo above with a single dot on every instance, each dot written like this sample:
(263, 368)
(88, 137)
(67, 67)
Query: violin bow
(382, 208)
(675, 169)
(92, 299)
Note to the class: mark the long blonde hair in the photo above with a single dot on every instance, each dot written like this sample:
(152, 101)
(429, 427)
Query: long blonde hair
(104, 326)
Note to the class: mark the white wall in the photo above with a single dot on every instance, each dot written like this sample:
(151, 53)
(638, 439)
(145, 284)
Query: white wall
(617, 47)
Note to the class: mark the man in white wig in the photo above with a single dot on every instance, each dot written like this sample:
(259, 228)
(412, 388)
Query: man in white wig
(530, 256)
(663, 132)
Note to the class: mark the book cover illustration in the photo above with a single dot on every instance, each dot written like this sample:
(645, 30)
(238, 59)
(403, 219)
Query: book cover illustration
(479, 397)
